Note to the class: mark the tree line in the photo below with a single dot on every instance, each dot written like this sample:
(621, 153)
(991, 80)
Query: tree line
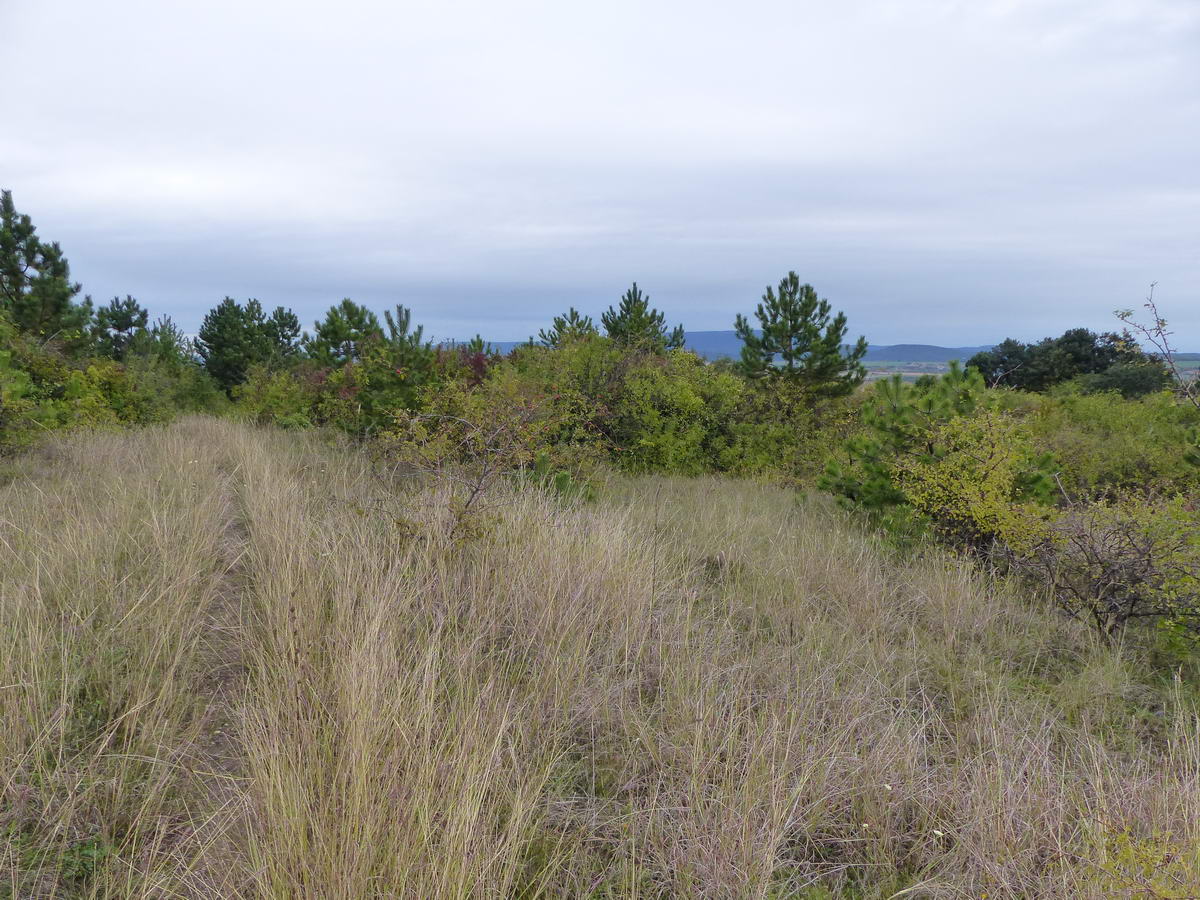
(1074, 460)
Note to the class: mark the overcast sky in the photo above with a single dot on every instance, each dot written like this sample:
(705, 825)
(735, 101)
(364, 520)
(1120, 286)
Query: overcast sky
(946, 171)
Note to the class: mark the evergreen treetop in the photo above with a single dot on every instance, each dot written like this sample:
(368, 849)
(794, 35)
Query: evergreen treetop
(282, 329)
(36, 290)
(117, 325)
(232, 339)
(342, 335)
(569, 327)
(797, 340)
(634, 323)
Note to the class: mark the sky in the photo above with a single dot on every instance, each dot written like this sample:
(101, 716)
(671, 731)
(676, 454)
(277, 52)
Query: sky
(944, 171)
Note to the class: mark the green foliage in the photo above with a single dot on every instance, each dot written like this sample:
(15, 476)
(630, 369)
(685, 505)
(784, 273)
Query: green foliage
(936, 455)
(117, 325)
(42, 389)
(673, 414)
(20, 413)
(341, 337)
(282, 329)
(780, 431)
(563, 483)
(1114, 562)
(899, 419)
(274, 398)
(471, 439)
(1124, 864)
(1090, 496)
(636, 325)
(1104, 444)
(1129, 379)
(405, 347)
(391, 372)
(235, 338)
(676, 413)
(978, 481)
(567, 328)
(797, 341)
(36, 291)
(1077, 353)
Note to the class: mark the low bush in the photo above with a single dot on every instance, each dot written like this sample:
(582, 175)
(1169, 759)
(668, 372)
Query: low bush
(1111, 563)
(1104, 444)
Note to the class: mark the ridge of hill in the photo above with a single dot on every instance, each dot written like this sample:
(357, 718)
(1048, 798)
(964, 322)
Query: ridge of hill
(718, 344)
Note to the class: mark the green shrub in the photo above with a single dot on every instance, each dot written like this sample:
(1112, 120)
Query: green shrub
(473, 438)
(41, 389)
(779, 430)
(978, 481)
(673, 414)
(1124, 864)
(1105, 444)
(274, 398)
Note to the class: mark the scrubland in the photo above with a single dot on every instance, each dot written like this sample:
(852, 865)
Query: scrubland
(240, 663)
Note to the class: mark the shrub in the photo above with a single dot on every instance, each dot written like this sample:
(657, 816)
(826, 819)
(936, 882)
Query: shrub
(674, 414)
(1112, 563)
(274, 398)
(898, 420)
(1158, 866)
(1105, 444)
(781, 431)
(980, 482)
(1129, 379)
(471, 439)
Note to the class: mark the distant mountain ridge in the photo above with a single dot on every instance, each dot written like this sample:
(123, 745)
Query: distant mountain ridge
(716, 344)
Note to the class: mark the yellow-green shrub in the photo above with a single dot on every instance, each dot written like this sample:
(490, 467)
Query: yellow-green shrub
(674, 414)
(1124, 864)
(274, 398)
(1105, 444)
(981, 483)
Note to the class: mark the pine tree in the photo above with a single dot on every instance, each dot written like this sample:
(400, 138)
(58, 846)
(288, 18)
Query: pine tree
(342, 335)
(36, 290)
(282, 328)
(233, 338)
(164, 342)
(398, 333)
(899, 420)
(636, 325)
(117, 325)
(798, 341)
(567, 328)
(407, 350)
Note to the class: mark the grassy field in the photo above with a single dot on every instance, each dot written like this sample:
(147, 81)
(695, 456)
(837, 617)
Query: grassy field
(237, 663)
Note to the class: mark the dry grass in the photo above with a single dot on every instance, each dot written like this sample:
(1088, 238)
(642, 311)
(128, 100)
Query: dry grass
(233, 668)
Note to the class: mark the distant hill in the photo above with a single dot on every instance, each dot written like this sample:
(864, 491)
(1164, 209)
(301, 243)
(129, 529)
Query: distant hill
(921, 353)
(715, 344)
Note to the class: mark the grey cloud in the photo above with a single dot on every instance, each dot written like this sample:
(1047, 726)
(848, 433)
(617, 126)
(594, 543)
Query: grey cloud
(945, 171)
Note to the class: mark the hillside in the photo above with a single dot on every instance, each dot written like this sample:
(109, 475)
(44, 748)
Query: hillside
(243, 663)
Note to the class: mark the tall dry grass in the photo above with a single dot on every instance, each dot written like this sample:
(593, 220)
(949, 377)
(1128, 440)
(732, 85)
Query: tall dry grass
(241, 665)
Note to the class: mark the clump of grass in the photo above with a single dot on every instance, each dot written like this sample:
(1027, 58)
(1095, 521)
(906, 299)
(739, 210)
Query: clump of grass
(234, 673)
